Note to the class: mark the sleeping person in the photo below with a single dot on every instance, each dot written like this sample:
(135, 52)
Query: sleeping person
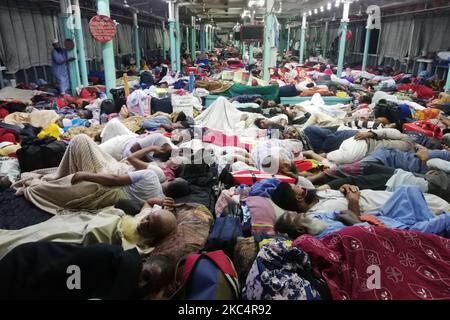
(405, 209)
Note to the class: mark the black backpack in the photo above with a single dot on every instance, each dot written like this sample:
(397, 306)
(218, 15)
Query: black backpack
(40, 154)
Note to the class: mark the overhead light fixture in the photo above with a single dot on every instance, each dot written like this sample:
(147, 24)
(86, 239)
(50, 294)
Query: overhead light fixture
(258, 3)
(316, 11)
(322, 9)
(337, 3)
(329, 5)
(125, 4)
(310, 12)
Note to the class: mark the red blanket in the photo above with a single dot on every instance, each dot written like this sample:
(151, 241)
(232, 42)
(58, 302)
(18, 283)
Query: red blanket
(412, 265)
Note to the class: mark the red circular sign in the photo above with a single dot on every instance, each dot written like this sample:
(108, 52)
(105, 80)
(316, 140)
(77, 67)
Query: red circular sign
(102, 28)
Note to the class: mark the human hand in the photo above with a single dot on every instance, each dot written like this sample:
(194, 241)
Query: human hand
(78, 177)
(422, 154)
(71, 59)
(364, 135)
(351, 192)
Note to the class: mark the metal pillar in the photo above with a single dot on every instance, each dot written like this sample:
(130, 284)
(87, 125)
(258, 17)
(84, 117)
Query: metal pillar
(288, 40)
(80, 44)
(68, 25)
(344, 25)
(302, 40)
(366, 49)
(178, 37)
(202, 38)
(268, 40)
(163, 33)
(107, 52)
(172, 31)
(251, 46)
(325, 41)
(447, 84)
(137, 47)
(193, 40)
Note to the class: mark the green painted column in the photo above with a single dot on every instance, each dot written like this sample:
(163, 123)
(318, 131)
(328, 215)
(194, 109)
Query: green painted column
(447, 84)
(251, 46)
(172, 32)
(107, 52)
(325, 41)
(68, 26)
(302, 41)
(344, 26)
(202, 38)
(366, 49)
(288, 40)
(193, 40)
(178, 37)
(164, 48)
(137, 47)
(268, 40)
(80, 44)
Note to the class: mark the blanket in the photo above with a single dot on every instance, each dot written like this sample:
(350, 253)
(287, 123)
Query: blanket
(13, 94)
(410, 265)
(221, 115)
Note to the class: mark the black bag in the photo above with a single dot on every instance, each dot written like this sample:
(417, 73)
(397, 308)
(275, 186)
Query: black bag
(119, 99)
(40, 154)
(388, 110)
(108, 106)
(147, 78)
(225, 230)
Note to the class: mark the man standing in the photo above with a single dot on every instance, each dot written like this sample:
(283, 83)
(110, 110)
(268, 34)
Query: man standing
(60, 67)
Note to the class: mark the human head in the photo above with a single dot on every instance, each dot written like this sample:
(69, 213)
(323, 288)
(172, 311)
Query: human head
(446, 142)
(55, 43)
(156, 226)
(293, 198)
(158, 277)
(164, 155)
(291, 133)
(176, 188)
(296, 224)
(262, 123)
(86, 114)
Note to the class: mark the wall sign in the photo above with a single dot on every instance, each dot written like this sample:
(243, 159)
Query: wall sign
(102, 28)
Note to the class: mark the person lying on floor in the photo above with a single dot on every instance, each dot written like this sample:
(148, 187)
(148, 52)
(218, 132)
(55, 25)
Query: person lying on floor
(405, 209)
(420, 162)
(119, 142)
(89, 179)
(366, 142)
(117, 274)
(142, 227)
(302, 199)
(274, 123)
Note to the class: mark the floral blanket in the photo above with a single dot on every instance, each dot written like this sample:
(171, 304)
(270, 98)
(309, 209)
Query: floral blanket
(376, 263)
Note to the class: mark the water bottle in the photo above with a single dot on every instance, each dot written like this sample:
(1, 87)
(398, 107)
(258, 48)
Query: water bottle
(243, 192)
(191, 82)
(103, 118)
(269, 133)
(355, 103)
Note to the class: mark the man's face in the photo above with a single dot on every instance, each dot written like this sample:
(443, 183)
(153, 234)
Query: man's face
(152, 223)
(300, 194)
(56, 45)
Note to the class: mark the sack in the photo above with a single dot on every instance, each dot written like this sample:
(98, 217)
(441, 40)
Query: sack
(427, 128)
(249, 177)
(40, 154)
(225, 230)
(208, 276)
